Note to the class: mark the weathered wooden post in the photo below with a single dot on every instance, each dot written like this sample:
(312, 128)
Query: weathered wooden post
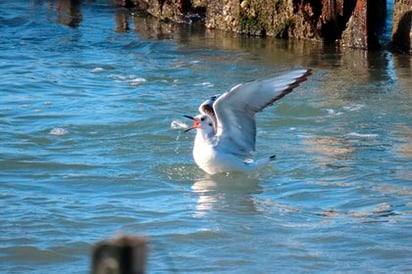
(121, 255)
(402, 25)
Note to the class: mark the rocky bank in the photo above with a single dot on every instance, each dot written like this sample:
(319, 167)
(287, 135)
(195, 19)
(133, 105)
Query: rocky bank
(350, 23)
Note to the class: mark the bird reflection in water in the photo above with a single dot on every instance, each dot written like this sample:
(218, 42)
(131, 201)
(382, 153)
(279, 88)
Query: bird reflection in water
(232, 192)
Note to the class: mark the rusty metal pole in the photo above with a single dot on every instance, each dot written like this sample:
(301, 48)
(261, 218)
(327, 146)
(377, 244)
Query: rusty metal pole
(121, 255)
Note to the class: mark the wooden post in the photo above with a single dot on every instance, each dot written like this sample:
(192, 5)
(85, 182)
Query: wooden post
(121, 255)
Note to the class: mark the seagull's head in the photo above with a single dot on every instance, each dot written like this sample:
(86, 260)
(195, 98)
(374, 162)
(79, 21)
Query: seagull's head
(201, 122)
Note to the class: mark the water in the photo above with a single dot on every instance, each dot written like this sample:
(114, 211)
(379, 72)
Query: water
(87, 151)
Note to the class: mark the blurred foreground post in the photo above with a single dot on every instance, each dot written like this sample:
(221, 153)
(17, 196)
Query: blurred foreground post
(121, 255)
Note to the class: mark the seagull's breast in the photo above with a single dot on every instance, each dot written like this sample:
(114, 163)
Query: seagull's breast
(204, 152)
(212, 160)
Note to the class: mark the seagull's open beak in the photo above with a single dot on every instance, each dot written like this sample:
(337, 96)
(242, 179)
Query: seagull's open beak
(196, 122)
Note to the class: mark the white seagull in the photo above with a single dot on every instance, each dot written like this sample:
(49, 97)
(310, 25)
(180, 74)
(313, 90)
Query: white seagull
(226, 127)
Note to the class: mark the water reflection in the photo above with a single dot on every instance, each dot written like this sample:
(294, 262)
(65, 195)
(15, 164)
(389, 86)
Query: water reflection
(331, 151)
(233, 192)
(152, 28)
(68, 12)
(122, 21)
(360, 64)
(369, 214)
(404, 150)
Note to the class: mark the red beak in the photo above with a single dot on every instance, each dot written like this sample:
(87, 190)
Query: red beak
(196, 122)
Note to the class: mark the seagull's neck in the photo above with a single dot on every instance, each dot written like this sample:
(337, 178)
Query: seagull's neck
(204, 136)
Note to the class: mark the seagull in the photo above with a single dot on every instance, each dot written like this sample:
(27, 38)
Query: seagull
(226, 126)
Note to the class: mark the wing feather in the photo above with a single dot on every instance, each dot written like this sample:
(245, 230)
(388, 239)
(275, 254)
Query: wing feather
(207, 108)
(235, 109)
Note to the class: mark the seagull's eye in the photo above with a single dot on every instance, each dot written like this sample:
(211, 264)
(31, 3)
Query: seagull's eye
(202, 119)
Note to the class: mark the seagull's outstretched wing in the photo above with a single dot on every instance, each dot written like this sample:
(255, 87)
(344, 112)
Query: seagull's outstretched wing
(207, 108)
(235, 110)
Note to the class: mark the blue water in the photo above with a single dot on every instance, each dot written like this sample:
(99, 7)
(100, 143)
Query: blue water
(87, 151)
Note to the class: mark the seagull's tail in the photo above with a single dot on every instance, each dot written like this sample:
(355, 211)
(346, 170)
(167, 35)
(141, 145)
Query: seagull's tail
(260, 163)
